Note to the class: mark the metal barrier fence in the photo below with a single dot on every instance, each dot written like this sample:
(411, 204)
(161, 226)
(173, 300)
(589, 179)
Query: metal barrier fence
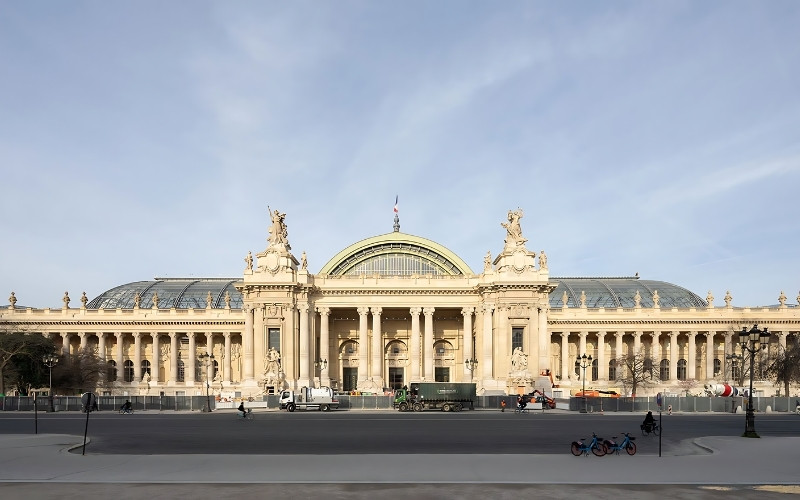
(197, 403)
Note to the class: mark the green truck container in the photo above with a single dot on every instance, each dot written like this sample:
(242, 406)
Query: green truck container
(445, 396)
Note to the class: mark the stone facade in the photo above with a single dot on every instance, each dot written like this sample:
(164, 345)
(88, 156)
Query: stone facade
(398, 308)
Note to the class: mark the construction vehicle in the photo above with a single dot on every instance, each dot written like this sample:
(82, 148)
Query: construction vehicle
(445, 396)
(309, 398)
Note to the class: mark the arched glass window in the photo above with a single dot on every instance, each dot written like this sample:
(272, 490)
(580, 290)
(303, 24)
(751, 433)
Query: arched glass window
(396, 353)
(647, 368)
(595, 374)
(127, 370)
(181, 370)
(443, 353)
(663, 373)
(736, 372)
(578, 369)
(717, 367)
(145, 367)
(681, 369)
(111, 371)
(612, 370)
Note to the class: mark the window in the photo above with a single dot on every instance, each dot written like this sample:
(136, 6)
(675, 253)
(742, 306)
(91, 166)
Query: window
(274, 339)
(612, 370)
(181, 370)
(595, 374)
(681, 369)
(128, 371)
(111, 371)
(145, 367)
(736, 372)
(664, 369)
(517, 338)
(442, 374)
(647, 368)
(717, 367)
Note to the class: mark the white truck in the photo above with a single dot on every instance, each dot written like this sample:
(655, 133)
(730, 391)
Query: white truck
(309, 398)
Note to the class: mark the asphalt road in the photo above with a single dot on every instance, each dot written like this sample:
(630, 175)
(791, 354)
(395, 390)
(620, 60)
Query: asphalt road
(352, 432)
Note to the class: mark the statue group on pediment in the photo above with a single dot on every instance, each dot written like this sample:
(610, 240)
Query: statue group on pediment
(278, 234)
(513, 228)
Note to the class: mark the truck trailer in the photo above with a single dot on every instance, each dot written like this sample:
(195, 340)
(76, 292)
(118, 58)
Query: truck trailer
(444, 396)
(309, 398)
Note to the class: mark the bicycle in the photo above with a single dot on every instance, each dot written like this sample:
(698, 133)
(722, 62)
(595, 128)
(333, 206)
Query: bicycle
(126, 411)
(627, 444)
(521, 409)
(653, 428)
(247, 415)
(596, 446)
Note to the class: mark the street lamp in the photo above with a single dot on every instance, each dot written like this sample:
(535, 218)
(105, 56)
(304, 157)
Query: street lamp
(320, 365)
(50, 360)
(472, 365)
(752, 341)
(735, 374)
(208, 359)
(584, 361)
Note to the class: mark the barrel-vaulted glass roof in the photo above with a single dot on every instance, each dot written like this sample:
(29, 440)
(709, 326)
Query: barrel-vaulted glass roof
(184, 293)
(180, 293)
(621, 292)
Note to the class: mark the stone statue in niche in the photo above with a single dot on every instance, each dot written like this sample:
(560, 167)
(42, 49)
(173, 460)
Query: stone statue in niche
(273, 374)
(519, 361)
(513, 228)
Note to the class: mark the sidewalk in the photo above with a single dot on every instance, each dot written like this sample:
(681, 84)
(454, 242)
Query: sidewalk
(718, 460)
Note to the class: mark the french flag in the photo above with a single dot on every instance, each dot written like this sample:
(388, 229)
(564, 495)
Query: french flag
(395, 203)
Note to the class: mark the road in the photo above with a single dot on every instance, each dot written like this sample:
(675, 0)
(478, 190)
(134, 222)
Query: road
(379, 432)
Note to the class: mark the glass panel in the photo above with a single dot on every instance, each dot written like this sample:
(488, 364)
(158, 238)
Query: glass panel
(516, 338)
(442, 374)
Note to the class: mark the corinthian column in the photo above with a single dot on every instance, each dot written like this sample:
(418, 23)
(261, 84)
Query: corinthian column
(690, 370)
(468, 355)
(156, 350)
(173, 358)
(488, 343)
(305, 354)
(324, 344)
(377, 347)
(415, 344)
(137, 357)
(189, 372)
(565, 372)
(427, 347)
(120, 357)
(363, 345)
(247, 346)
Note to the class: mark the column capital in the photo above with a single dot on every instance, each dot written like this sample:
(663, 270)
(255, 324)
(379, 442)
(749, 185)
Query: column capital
(303, 308)
(601, 333)
(154, 335)
(583, 334)
(376, 311)
(564, 335)
(415, 311)
(619, 335)
(172, 335)
(363, 311)
(429, 311)
(227, 335)
(118, 335)
(467, 311)
(324, 311)
(487, 308)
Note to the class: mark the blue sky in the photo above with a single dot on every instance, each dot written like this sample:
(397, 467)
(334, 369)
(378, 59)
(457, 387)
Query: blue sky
(143, 139)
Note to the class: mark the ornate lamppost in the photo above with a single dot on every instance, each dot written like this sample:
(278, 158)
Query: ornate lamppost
(320, 365)
(208, 359)
(50, 360)
(472, 365)
(584, 361)
(752, 341)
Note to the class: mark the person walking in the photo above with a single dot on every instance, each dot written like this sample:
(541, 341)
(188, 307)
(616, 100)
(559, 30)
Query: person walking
(503, 405)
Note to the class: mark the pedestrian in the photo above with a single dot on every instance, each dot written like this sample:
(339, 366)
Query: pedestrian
(503, 405)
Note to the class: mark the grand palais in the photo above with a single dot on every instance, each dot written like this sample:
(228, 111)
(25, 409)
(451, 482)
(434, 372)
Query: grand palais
(397, 308)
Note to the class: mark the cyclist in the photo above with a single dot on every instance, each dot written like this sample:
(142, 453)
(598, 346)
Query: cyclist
(242, 411)
(522, 402)
(649, 420)
(127, 407)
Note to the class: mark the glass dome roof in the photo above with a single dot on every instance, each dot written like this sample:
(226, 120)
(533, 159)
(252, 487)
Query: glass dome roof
(620, 292)
(180, 293)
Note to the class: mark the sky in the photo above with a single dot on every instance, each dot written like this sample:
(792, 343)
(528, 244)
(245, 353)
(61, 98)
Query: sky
(149, 139)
